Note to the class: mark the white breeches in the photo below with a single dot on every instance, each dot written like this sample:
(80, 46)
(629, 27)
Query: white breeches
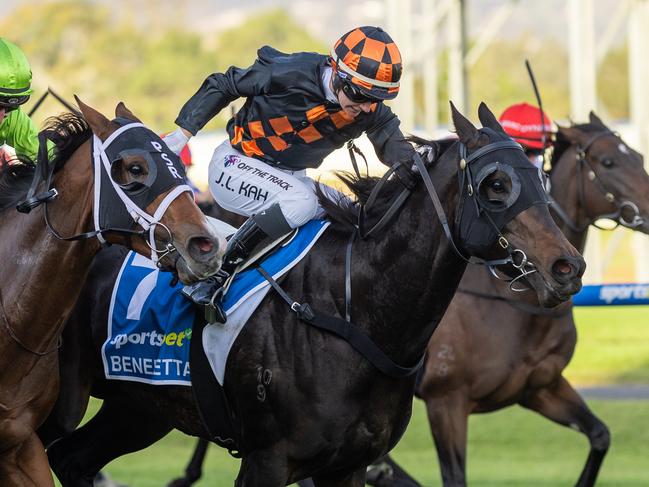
(245, 186)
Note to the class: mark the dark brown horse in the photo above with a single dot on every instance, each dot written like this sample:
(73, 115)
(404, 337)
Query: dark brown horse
(326, 411)
(493, 349)
(42, 274)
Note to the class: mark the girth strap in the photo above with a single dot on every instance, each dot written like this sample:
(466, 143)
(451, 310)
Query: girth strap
(346, 330)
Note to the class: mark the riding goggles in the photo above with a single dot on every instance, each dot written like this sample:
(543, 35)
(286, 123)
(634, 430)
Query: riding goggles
(10, 103)
(355, 94)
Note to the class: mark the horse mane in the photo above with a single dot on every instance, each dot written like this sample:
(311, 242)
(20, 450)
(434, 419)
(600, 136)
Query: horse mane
(67, 132)
(562, 144)
(343, 211)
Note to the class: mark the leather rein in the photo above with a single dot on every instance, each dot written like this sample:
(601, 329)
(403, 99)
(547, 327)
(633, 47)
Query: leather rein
(345, 328)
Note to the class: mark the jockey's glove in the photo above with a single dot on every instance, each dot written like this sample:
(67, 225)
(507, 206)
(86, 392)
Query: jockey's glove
(406, 176)
(176, 140)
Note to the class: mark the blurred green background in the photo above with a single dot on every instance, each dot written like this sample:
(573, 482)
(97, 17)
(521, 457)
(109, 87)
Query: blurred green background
(154, 64)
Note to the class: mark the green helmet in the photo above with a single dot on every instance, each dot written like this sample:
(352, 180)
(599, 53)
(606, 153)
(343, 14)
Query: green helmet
(15, 72)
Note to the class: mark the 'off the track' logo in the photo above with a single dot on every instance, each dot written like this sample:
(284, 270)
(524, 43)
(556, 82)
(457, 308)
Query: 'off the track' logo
(231, 160)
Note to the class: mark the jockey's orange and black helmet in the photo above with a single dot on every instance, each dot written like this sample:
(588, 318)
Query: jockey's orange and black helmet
(367, 61)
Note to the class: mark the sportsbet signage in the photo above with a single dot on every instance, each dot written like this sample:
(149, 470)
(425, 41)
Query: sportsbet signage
(613, 294)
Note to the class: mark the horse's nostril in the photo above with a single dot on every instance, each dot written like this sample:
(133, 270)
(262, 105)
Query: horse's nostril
(204, 245)
(200, 247)
(563, 268)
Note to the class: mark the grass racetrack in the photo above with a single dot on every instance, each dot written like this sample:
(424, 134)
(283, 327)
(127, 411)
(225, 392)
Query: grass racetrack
(513, 447)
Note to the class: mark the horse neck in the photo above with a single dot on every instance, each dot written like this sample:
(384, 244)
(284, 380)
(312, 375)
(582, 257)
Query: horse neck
(41, 285)
(411, 272)
(565, 181)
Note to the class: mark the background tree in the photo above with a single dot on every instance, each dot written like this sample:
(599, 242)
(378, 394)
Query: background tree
(78, 47)
(154, 62)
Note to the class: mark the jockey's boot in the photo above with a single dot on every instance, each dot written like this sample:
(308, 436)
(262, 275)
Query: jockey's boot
(258, 230)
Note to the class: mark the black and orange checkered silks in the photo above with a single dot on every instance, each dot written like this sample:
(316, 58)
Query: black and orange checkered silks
(370, 52)
(252, 141)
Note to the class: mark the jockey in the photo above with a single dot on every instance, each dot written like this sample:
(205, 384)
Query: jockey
(299, 108)
(522, 122)
(18, 134)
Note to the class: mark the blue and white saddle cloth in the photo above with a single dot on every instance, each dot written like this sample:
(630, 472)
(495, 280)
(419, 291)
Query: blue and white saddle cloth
(150, 321)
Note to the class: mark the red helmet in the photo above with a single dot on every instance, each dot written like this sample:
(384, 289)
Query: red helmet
(186, 156)
(368, 59)
(522, 122)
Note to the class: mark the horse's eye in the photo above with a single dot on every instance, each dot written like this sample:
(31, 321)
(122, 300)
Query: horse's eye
(136, 170)
(607, 162)
(497, 186)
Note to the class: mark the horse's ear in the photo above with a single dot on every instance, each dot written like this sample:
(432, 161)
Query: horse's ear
(487, 118)
(571, 134)
(123, 112)
(99, 124)
(466, 131)
(595, 120)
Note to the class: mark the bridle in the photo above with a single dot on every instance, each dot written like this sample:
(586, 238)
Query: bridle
(345, 328)
(582, 161)
(45, 170)
(582, 166)
(44, 173)
(516, 257)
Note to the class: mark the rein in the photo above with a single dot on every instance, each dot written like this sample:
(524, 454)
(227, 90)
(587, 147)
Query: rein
(345, 328)
(524, 266)
(400, 199)
(517, 258)
(395, 205)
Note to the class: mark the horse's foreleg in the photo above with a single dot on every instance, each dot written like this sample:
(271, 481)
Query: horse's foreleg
(25, 465)
(448, 418)
(563, 405)
(118, 428)
(354, 479)
(385, 472)
(194, 469)
(263, 468)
